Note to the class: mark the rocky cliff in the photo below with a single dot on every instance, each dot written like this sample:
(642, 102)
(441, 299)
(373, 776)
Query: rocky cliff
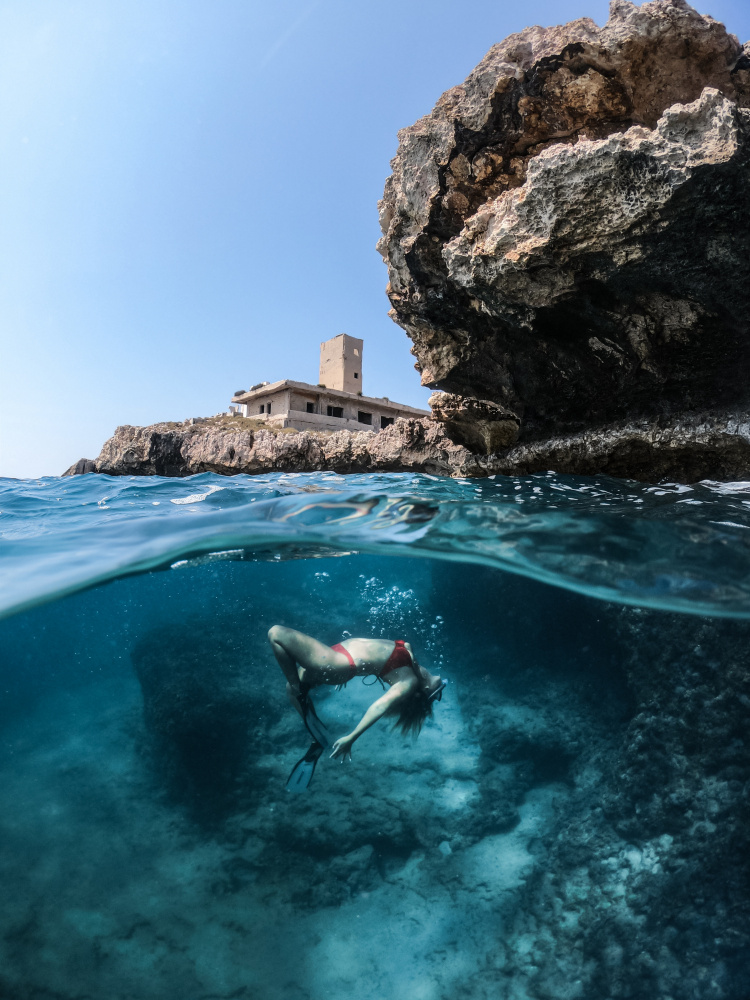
(686, 450)
(566, 232)
(232, 445)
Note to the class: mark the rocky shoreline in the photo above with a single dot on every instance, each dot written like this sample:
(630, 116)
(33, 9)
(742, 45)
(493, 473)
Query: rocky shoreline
(699, 447)
(567, 250)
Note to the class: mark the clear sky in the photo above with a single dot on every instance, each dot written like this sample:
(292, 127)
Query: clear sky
(188, 194)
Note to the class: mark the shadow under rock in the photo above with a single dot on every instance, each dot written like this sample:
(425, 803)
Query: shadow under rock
(206, 715)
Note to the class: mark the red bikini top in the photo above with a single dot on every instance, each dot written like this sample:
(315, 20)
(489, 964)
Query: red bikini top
(400, 657)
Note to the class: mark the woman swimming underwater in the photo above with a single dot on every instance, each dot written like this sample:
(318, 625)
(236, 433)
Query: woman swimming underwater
(307, 663)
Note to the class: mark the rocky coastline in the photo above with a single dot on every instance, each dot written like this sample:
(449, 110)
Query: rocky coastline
(701, 447)
(567, 248)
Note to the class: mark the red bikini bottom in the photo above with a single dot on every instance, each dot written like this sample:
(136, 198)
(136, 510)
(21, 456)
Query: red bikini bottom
(352, 665)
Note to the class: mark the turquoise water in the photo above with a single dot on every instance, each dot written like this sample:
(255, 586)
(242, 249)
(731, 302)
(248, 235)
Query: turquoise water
(669, 546)
(570, 824)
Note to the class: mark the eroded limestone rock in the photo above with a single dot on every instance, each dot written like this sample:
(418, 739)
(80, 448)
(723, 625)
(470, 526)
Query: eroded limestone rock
(687, 449)
(481, 425)
(230, 446)
(566, 233)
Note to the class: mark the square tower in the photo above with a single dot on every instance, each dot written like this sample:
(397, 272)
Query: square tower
(341, 363)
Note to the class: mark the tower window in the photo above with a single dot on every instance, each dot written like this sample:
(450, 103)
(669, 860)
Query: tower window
(356, 374)
(364, 418)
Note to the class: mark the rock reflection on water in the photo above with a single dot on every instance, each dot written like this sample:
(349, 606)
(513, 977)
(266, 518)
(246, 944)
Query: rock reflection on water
(572, 824)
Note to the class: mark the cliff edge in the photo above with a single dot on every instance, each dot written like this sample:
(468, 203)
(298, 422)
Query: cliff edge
(232, 445)
(567, 236)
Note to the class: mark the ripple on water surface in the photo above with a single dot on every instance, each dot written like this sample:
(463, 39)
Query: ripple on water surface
(669, 546)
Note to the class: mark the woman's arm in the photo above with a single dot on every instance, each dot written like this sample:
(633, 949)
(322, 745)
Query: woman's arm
(376, 711)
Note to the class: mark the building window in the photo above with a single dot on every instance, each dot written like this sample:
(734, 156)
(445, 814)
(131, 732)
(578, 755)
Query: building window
(311, 407)
(386, 421)
(335, 411)
(364, 418)
(268, 408)
(262, 408)
(356, 374)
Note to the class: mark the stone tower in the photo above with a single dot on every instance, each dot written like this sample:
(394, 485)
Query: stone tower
(341, 363)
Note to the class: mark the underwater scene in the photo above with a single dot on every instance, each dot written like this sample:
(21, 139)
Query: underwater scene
(572, 821)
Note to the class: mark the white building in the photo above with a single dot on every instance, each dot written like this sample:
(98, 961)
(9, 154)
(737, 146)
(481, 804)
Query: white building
(336, 403)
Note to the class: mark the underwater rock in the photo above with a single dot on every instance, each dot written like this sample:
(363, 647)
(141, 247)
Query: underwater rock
(566, 232)
(647, 889)
(203, 713)
(684, 450)
(644, 890)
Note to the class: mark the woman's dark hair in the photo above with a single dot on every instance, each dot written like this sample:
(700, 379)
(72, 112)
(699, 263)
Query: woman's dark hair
(412, 711)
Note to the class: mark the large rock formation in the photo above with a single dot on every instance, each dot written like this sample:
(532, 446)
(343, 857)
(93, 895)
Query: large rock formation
(686, 450)
(229, 446)
(567, 232)
(643, 892)
(646, 883)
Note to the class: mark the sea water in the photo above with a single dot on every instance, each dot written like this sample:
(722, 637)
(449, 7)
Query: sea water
(569, 824)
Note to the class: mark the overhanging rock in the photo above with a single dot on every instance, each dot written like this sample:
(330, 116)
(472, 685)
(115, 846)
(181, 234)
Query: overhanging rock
(567, 232)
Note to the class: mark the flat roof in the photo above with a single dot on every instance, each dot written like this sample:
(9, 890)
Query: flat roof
(316, 390)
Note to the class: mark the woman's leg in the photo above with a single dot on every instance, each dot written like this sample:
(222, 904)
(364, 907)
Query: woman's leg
(303, 658)
(279, 637)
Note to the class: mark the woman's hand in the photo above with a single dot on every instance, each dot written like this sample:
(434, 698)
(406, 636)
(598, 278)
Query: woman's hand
(343, 748)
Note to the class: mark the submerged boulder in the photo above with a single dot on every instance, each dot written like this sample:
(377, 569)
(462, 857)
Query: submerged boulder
(567, 233)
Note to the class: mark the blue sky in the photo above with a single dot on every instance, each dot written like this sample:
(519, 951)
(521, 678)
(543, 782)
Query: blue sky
(188, 197)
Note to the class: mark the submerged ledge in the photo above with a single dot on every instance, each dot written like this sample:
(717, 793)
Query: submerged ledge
(683, 449)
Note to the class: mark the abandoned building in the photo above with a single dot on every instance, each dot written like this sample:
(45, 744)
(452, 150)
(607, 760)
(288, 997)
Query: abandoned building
(336, 403)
